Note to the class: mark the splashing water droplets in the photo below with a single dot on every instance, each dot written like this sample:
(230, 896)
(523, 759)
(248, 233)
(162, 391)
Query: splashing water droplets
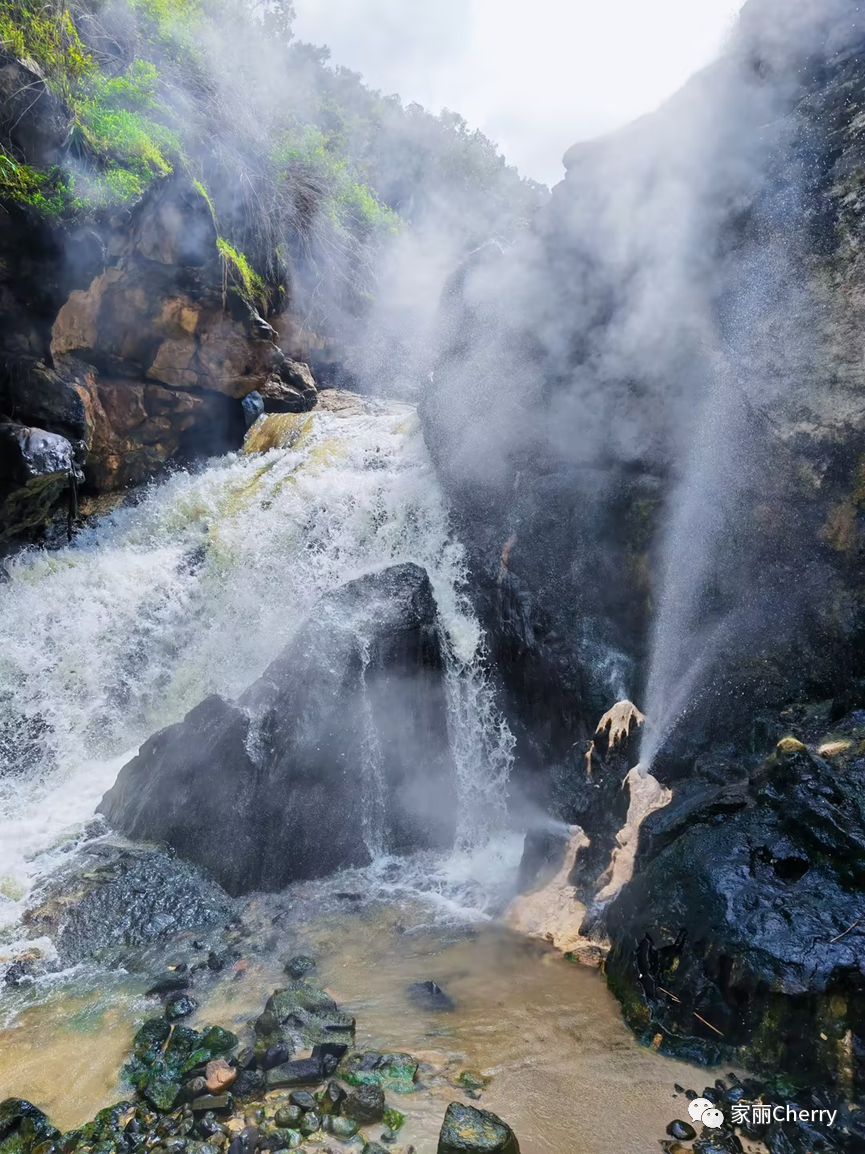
(194, 591)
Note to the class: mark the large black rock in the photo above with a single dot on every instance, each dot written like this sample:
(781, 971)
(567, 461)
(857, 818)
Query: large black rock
(743, 925)
(340, 749)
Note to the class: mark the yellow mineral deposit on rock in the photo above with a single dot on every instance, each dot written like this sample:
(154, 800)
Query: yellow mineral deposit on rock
(616, 722)
(790, 745)
(646, 795)
(218, 1076)
(833, 748)
(554, 912)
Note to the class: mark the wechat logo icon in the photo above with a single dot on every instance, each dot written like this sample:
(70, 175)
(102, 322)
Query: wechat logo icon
(702, 1110)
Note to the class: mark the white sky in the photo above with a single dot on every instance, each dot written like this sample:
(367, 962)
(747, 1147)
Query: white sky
(535, 76)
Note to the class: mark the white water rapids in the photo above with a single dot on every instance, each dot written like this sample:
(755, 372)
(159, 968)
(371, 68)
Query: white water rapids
(194, 590)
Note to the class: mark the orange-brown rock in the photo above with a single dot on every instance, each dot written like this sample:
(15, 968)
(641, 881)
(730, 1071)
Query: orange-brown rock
(218, 1076)
(145, 356)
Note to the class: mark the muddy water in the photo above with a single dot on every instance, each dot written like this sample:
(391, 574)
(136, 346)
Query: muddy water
(65, 1054)
(564, 1071)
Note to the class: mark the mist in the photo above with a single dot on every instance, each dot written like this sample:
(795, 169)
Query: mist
(660, 318)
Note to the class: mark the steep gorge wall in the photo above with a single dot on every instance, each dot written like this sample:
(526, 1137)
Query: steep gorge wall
(701, 266)
(650, 417)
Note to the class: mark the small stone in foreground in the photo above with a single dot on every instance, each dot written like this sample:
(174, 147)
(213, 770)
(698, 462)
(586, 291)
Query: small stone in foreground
(681, 1130)
(299, 966)
(466, 1130)
(342, 1127)
(332, 1098)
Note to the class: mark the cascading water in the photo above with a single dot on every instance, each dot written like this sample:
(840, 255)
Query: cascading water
(194, 590)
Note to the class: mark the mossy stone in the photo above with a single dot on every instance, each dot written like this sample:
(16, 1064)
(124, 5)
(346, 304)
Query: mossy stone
(467, 1130)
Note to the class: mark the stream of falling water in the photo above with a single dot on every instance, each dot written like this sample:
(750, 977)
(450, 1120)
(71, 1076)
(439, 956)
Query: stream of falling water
(193, 590)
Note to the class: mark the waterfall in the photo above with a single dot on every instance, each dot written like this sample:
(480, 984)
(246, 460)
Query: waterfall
(194, 589)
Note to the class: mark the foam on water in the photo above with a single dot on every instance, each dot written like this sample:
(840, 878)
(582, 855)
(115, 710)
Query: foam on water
(194, 591)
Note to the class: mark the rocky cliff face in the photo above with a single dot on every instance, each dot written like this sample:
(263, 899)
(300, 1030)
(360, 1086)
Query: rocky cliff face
(693, 289)
(134, 342)
(649, 416)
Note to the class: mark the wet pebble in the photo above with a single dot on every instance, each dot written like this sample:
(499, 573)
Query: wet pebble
(299, 966)
(681, 1130)
(310, 1122)
(179, 1006)
(194, 1088)
(342, 1127)
(287, 1117)
(168, 984)
(209, 1125)
(275, 1055)
(218, 1103)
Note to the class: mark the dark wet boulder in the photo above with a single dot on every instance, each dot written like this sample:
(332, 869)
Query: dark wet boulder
(330, 1053)
(275, 1055)
(730, 881)
(332, 1098)
(543, 856)
(36, 469)
(367, 670)
(720, 1142)
(114, 897)
(300, 1072)
(23, 971)
(290, 388)
(249, 1086)
(253, 407)
(310, 1123)
(340, 1127)
(300, 1017)
(34, 123)
(430, 996)
(179, 1005)
(170, 983)
(466, 1130)
(682, 1131)
(217, 1040)
(365, 1105)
